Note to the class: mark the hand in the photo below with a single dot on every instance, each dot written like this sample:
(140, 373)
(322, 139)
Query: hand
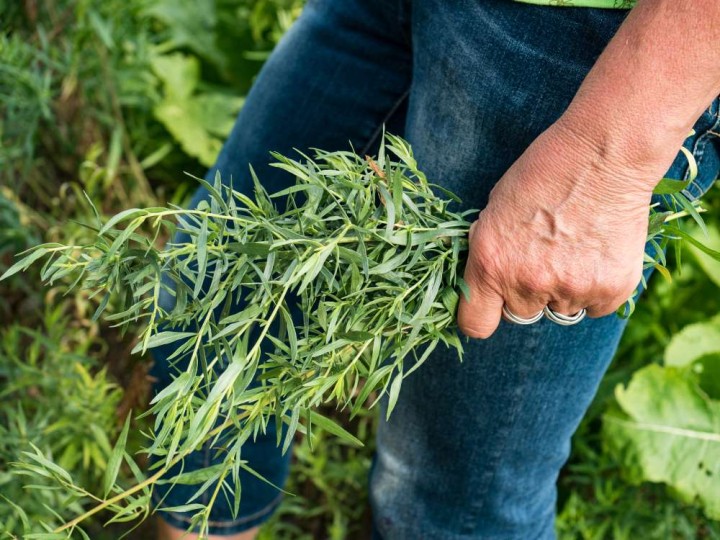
(564, 227)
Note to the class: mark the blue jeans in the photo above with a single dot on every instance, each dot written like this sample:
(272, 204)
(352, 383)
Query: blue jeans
(473, 449)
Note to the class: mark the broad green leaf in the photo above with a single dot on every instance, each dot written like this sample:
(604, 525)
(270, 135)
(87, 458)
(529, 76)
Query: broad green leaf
(708, 368)
(710, 265)
(668, 430)
(191, 25)
(198, 121)
(693, 342)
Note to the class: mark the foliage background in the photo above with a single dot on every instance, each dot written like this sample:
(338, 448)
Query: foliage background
(117, 98)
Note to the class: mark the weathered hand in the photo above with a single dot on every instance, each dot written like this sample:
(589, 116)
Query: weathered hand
(565, 227)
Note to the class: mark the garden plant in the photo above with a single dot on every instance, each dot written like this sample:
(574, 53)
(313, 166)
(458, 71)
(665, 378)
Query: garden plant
(329, 293)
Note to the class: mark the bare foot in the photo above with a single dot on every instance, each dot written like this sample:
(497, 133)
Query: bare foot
(168, 532)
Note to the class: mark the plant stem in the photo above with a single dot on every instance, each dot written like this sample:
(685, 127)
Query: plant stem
(148, 481)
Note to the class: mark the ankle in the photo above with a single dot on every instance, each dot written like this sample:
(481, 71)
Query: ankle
(165, 531)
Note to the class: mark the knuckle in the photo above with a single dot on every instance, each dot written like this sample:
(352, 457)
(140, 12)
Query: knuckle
(606, 309)
(634, 283)
(535, 283)
(572, 286)
(617, 293)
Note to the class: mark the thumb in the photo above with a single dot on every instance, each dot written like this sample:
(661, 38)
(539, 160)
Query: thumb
(479, 315)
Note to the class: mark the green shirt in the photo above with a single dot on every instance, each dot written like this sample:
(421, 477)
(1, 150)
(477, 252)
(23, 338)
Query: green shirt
(613, 4)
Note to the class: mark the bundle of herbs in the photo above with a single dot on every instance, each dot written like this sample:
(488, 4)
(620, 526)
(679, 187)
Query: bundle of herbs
(330, 291)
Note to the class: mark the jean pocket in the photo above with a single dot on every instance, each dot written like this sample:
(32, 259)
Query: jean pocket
(707, 157)
(705, 148)
(704, 145)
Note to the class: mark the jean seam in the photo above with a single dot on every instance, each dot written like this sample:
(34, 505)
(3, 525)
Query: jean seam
(402, 19)
(518, 394)
(381, 127)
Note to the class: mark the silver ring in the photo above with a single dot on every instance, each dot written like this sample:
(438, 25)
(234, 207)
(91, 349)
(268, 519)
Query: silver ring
(511, 317)
(564, 320)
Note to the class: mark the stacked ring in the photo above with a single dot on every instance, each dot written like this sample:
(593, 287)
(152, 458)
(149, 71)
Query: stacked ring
(511, 317)
(557, 318)
(564, 320)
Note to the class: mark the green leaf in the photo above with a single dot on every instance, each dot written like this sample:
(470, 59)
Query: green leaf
(202, 257)
(710, 265)
(195, 476)
(122, 216)
(161, 338)
(291, 429)
(198, 121)
(450, 299)
(113, 466)
(192, 26)
(48, 465)
(328, 425)
(692, 210)
(708, 368)
(693, 342)
(667, 430)
(394, 394)
(250, 248)
(694, 242)
(669, 186)
(356, 335)
(464, 288)
(24, 263)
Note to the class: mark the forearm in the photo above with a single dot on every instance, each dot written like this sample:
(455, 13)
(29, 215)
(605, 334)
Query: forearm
(652, 82)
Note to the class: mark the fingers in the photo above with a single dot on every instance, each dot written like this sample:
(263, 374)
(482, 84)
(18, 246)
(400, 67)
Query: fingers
(501, 274)
(603, 309)
(616, 295)
(567, 307)
(525, 305)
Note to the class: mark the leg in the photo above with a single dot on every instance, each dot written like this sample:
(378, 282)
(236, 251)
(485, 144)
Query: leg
(168, 532)
(473, 450)
(340, 73)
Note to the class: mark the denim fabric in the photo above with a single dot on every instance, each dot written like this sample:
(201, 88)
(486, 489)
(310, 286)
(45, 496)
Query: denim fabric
(473, 449)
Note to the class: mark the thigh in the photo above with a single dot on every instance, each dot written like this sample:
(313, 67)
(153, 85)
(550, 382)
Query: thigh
(338, 75)
(473, 449)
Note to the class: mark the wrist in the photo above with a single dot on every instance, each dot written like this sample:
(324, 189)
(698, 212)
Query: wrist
(625, 147)
(655, 78)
